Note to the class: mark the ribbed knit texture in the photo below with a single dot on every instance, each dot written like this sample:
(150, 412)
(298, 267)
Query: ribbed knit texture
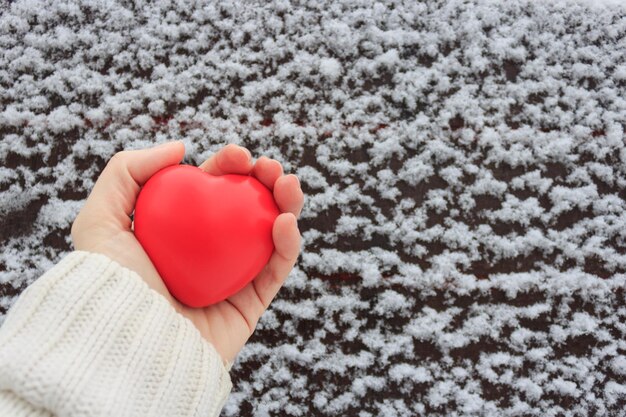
(90, 338)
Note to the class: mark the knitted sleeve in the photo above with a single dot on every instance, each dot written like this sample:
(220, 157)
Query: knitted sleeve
(90, 338)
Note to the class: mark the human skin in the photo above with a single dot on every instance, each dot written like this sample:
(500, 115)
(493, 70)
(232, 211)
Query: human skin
(104, 226)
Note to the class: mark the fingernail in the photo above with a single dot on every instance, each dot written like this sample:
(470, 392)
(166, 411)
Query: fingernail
(247, 151)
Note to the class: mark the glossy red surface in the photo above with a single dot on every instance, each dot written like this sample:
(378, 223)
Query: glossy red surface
(208, 236)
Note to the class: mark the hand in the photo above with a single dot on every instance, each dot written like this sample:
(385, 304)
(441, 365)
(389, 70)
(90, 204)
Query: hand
(104, 226)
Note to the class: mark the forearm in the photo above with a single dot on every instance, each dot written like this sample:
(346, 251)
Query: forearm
(90, 337)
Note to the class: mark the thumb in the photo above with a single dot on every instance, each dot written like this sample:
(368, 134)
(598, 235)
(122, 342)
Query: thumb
(114, 195)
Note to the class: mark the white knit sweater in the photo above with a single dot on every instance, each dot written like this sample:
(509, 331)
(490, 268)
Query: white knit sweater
(89, 338)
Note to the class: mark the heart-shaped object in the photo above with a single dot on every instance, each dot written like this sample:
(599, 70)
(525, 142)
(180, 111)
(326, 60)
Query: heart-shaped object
(208, 236)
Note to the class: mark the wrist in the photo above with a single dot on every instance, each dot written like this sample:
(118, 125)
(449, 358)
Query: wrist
(122, 248)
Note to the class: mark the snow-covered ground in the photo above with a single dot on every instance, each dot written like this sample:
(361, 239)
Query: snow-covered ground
(464, 165)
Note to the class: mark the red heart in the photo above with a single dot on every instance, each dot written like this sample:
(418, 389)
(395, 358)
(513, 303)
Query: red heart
(208, 236)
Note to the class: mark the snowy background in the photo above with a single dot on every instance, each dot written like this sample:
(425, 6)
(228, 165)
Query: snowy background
(464, 166)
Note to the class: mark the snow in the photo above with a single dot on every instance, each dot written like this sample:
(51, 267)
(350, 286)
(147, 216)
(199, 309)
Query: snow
(330, 68)
(619, 365)
(464, 165)
(564, 387)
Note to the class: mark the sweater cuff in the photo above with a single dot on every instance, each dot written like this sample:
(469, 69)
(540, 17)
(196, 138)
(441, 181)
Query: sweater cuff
(91, 338)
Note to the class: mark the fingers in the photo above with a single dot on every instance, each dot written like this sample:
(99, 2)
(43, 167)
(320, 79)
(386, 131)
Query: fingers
(144, 163)
(286, 250)
(288, 194)
(267, 171)
(255, 297)
(115, 192)
(235, 159)
(231, 159)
